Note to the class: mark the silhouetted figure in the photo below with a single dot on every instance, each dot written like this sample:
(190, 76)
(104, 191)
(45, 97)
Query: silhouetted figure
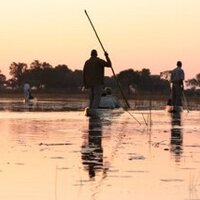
(176, 135)
(108, 101)
(93, 77)
(92, 152)
(177, 78)
(27, 92)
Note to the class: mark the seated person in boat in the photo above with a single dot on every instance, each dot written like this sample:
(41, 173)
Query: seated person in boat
(108, 101)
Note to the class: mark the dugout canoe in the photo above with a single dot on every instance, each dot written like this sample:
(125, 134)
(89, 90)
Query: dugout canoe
(103, 112)
(172, 109)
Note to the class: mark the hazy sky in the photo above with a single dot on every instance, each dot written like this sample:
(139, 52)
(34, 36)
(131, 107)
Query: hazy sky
(137, 34)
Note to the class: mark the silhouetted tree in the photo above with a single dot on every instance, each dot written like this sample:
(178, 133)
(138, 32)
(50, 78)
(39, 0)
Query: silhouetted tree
(16, 71)
(62, 76)
(127, 78)
(145, 80)
(11, 83)
(159, 86)
(41, 74)
(2, 79)
(142, 81)
(194, 82)
(77, 78)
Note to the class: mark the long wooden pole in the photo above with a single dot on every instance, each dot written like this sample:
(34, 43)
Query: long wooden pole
(111, 66)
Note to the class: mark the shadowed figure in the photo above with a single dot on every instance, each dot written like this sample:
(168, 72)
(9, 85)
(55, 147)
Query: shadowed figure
(176, 136)
(93, 77)
(92, 152)
(177, 78)
(27, 92)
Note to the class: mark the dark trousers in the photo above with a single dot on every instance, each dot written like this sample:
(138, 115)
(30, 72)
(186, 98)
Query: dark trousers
(177, 93)
(95, 96)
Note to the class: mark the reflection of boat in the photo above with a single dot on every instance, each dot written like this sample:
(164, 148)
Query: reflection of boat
(100, 112)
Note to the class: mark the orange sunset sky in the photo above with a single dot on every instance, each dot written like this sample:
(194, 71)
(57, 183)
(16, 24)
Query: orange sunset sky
(137, 34)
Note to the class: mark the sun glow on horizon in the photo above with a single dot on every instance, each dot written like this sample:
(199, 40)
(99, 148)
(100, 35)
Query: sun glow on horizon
(137, 34)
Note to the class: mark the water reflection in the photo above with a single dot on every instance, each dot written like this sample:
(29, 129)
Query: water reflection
(28, 106)
(92, 151)
(38, 163)
(35, 105)
(176, 136)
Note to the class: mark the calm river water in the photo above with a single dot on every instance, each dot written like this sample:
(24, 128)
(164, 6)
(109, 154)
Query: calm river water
(51, 151)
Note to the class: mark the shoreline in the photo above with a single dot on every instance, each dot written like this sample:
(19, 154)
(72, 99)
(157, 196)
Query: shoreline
(84, 95)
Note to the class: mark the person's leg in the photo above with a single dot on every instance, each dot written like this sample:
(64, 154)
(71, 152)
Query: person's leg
(179, 96)
(173, 100)
(91, 97)
(97, 92)
(26, 96)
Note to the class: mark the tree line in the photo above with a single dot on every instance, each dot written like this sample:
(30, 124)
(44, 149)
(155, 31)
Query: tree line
(42, 75)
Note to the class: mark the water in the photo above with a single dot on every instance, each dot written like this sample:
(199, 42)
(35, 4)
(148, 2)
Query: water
(51, 153)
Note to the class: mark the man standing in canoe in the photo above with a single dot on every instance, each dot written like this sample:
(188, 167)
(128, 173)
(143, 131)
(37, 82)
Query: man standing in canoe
(93, 77)
(177, 78)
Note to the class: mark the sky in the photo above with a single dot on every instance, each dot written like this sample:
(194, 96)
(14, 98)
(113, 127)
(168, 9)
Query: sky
(136, 33)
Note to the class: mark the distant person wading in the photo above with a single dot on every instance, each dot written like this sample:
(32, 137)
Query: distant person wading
(93, 77)
(177, 78)
(27, 90)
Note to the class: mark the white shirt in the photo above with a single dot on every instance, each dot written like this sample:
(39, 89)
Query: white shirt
(109, 101)
(26, 87)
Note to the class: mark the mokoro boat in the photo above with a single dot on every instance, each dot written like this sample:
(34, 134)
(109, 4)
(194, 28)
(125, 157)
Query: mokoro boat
(172, 109)
(102, 112)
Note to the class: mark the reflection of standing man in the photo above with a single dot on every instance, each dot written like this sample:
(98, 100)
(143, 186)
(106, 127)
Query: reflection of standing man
(93, 77)
(176, 135)
(92, 152)
(177, 78)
